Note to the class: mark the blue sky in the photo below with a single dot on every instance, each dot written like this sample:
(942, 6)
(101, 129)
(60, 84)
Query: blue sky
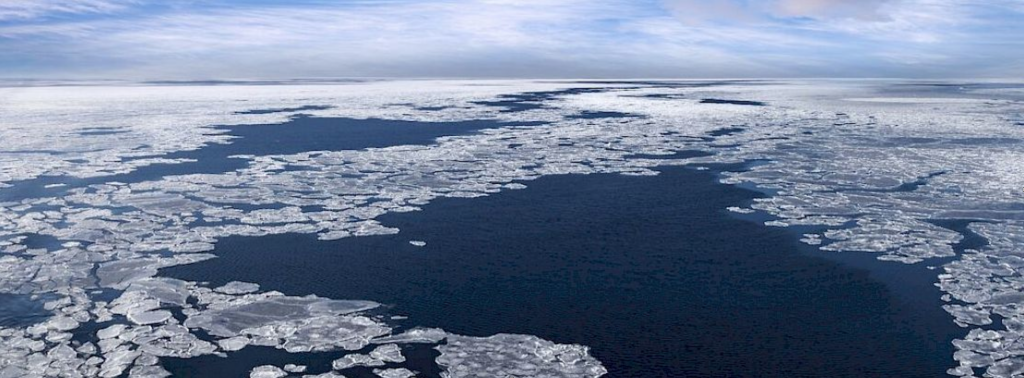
(271, 39)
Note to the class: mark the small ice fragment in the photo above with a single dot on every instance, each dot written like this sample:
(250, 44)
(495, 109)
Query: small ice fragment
(388, 353)
(329, 374)
(236, 287)
(394, 373)
(234, 343)
(505, 355)
(149, 317)
(418, 243)
(811, 239)
(63, 323)
(111, 332)
(416, 335)
(740, 210)
(355, 360)
(267, 371)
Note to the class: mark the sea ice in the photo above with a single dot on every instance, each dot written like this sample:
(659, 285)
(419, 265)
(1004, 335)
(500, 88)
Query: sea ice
(507, 355)
(267, 371)
(351, 360)
(874, 171)
(394, 373)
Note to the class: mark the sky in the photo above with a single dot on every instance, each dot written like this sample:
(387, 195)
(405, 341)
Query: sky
(280, 39)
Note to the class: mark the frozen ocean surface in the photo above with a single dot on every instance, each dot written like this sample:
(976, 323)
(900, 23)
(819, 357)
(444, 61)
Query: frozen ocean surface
(524, 228)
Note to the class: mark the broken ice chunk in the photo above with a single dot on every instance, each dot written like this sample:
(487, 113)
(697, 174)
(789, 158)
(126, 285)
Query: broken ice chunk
(149, 317)
(355, 360)
(267, 371)
(148, 372)
(236, 287)
(416, 335)
(811, 239)
(394, 373)
(506, 355)
(388, 353)
(329, 374)
(234, 343)
(111, 332)
(291, 323)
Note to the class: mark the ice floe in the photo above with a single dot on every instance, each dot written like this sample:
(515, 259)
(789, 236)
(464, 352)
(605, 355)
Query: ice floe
(267, 371)
(394, 373)
(507, 355)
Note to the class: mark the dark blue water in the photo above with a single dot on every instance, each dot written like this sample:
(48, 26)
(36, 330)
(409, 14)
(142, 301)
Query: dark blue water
(304, 108)
(18, 310)
(726, 131)
(520, 102)
(650, 272)
(971, 239)
(92, 131)
(663, 96)
(684, 154)
(676, 84)
(300, 134)
(597, 115)
(731, 102)
(419, 358)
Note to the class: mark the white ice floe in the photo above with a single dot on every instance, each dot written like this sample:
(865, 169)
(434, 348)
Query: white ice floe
(415, 336)
(394, 373)
(388, 353)
(505, 355)
(267, 371)
(352, 360)
(291, 323)
(235, 287)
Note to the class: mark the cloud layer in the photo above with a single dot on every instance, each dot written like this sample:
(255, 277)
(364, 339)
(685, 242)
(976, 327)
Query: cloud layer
(505, 38)
(30, 9)
(751, 11)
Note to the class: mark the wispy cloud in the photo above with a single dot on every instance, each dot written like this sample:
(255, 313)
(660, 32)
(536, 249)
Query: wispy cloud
(536, 38)
(767, 10)
(868, 10)
(922, 21)
(33, 9)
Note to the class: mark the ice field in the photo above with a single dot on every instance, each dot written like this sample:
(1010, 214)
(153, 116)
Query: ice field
(102, 186)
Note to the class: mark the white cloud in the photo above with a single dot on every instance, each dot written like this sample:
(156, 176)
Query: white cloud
(30, 9)
(870, 10)
(762, 11)
(469, 38)
(913, 21)
(442, 38)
